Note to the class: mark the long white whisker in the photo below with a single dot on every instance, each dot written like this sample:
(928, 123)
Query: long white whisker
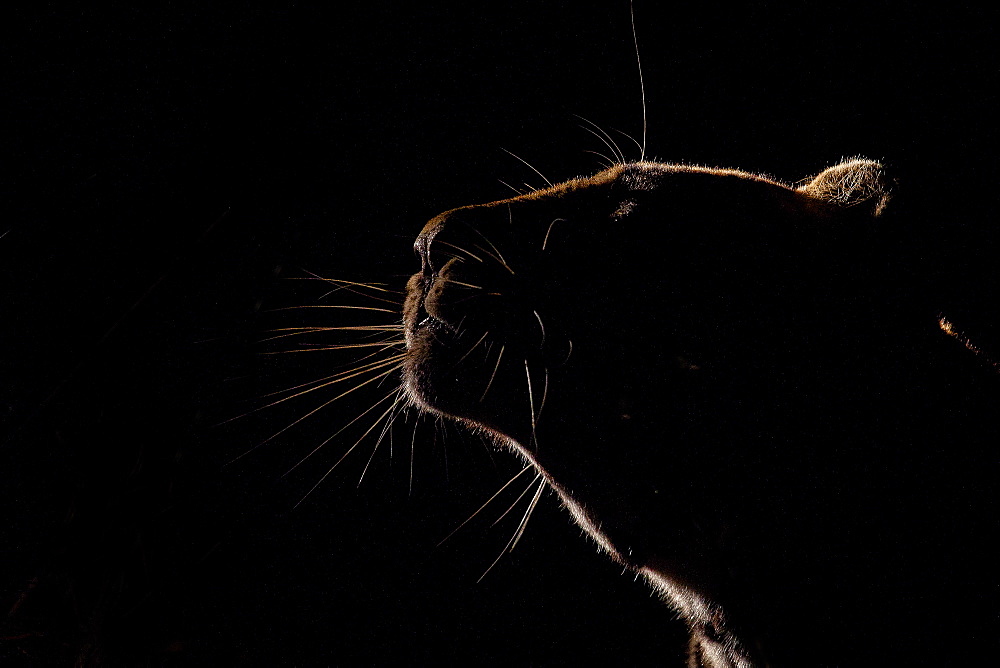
(352, 290)
(492, 375)
(520, 496)
(336, 378)
(516, 190)
(327, 403)
(413, 449)
(342, 346)
(339, 306)
(370, 286)
(531, 404)
(520, 528)
(480, 508)
(530, 166)
(631, 139)
(398, 304)
(474, 346)
(495, 250)
(607, 139)
(616, 160)
(297, 331)
(458, 248)
(338, 432)
(545, 396)
(542, 325)
(642, 84)
(386, 428)
(545, 241)
(357, 367)
(272, 436)
(527, 515)
(460, 283)
(496, 256)
(607, 162)
(342, 457)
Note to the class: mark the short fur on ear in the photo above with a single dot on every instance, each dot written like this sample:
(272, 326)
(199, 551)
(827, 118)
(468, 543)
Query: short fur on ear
(857, 182)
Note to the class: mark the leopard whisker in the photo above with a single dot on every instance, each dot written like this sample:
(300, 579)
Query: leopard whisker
(394, 302)
(520, 528)
(298, 331)
(349, 450)
(268, 439)
(456, 302)
(607, 163)
(527, 515)
(380, 287)
(542, 326)
(607, 139)
(530, 166)
(352, 290)
(492, 375)
(356, 363)
(371, 366)
(516, 190)
(488, 502)
(338, 306)
(413, 450)
(458, 248)
(469, 352)
(516, 501)
(634, 141)
(642, 84)
(545, 241)
(545, 396)
(442, 430)
(531, 405)
(616, 159)
(325, 382)
(387, 427)
(340, 346)
(337, 433)
(327, 403)
(461, 283)
(450, 255)
(358, 328)
(497, 254)
(392, 419)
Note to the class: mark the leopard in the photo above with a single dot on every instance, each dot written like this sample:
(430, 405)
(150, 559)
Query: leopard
(738, 390)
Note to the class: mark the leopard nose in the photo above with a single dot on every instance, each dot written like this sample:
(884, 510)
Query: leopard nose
(422, 245)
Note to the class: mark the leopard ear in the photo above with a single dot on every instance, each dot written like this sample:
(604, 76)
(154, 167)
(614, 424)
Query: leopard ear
(853, 183)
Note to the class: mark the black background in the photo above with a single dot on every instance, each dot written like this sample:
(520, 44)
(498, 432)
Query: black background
(166, 167)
